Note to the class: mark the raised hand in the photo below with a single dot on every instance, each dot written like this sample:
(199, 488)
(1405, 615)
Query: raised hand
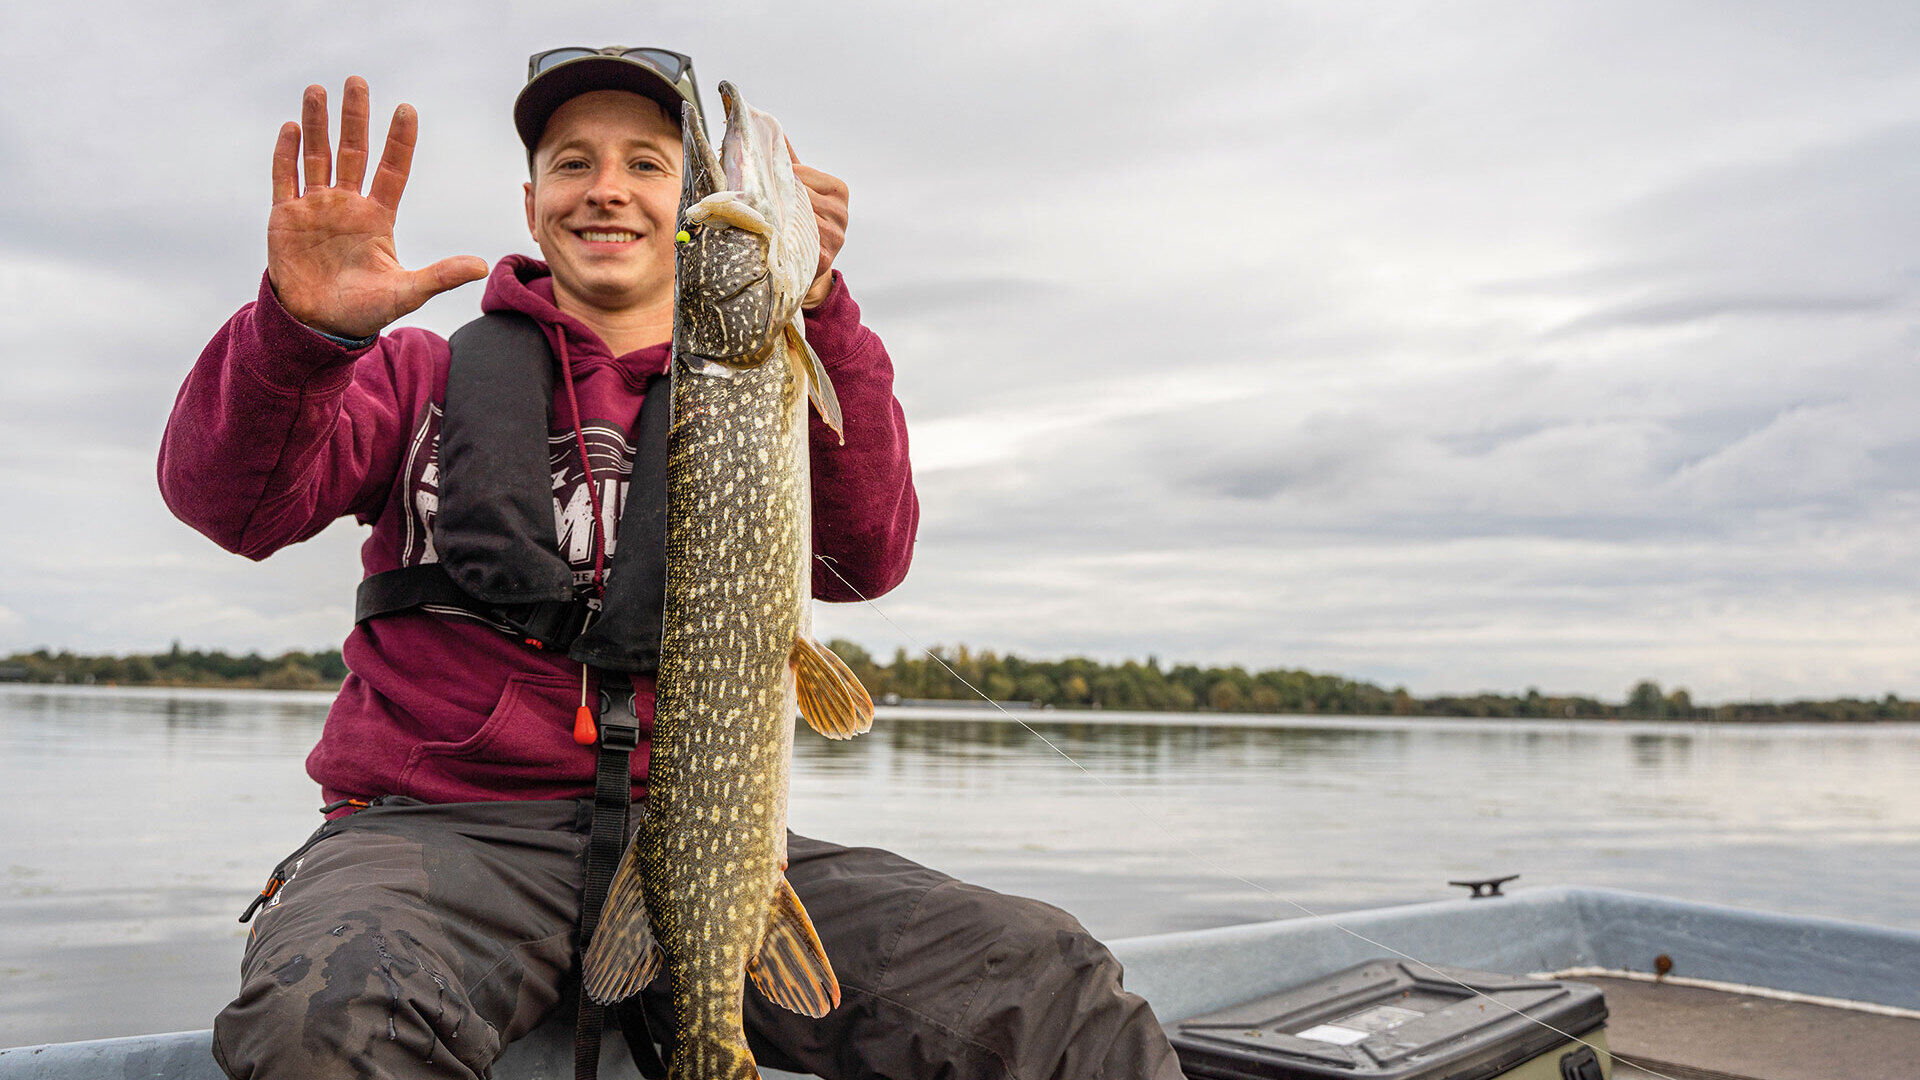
(829, 197)
(330, 251)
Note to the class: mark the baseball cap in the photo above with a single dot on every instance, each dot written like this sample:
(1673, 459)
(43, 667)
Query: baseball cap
(558, 75)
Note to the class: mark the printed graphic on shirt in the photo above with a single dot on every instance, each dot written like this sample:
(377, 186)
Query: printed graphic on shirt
(422, 471)
(607, 451)
(612, 461)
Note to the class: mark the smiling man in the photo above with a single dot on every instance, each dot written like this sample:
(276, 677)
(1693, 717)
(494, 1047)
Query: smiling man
(602, 205)
(437, 915)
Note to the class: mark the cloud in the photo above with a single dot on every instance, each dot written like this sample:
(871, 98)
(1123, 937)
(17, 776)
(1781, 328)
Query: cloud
(1701, 308)
(1488, 345)
(959, 298)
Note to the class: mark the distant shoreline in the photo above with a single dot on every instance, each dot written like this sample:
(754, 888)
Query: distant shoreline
(960, 677)
(1025, 711)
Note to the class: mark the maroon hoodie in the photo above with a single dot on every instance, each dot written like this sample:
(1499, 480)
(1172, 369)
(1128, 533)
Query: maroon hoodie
(278, 431)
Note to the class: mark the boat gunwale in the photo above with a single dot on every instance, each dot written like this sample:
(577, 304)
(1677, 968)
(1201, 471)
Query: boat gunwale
(1183, 974)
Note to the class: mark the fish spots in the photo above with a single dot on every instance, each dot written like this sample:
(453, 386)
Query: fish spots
(738, 571)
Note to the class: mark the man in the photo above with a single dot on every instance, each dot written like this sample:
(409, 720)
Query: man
(435, 917)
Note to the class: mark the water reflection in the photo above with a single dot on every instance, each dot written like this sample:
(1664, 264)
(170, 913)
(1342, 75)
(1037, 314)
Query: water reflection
(1162, 751)
(1331, 813)
(139, 822)
(58, 722)
(1660, 752)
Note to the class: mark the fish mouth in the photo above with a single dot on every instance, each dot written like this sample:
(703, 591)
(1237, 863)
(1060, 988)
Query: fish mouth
(753, 151)
(733, 144)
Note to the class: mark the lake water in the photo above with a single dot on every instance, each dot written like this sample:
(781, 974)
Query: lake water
(139, 823)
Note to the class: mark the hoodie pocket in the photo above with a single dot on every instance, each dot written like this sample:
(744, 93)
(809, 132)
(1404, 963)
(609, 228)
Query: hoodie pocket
(524, 745)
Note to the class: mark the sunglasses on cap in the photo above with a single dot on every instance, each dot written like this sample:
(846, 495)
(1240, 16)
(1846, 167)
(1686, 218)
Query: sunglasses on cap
(675, 68)
(557, 75)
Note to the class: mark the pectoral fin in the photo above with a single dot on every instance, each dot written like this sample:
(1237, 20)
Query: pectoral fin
(819, 387)
(623, 956)
(831, 697)
(791, 968)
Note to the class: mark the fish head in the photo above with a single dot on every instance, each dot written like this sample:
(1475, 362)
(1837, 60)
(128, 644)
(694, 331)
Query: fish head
(723, 295)
(700, 169)
(740, 274)
(755, 161)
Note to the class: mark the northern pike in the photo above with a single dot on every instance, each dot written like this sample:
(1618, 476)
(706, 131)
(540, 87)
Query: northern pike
(701, 889)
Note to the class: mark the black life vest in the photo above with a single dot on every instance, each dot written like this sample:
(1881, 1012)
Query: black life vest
(499, 554)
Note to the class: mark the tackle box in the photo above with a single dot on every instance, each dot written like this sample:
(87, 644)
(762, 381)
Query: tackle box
(1394, 1020)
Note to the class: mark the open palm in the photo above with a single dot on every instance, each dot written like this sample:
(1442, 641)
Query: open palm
(330, 251)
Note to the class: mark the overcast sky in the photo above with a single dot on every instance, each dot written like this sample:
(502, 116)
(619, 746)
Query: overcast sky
(1477, 345)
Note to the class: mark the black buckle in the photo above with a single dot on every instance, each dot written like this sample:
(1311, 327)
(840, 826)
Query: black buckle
(619, 732)
(550, 625)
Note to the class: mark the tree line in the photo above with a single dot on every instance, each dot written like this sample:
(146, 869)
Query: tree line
(1072, 683)
(1080, 683)
(293, 670)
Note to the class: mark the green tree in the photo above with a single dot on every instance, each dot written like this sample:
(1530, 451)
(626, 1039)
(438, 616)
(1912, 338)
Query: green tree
(1224, 696)
(1645, 700)
(290, 675)
(1075, 691)
(1034, 686)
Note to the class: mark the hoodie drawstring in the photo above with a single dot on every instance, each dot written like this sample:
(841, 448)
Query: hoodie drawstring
(585, 732)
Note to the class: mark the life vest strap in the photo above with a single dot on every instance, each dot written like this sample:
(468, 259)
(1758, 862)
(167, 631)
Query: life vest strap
(549, 625)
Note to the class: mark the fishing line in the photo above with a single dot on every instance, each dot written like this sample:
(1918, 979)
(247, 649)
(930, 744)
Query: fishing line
(1195, 853)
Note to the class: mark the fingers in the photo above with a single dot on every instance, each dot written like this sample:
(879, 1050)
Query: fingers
(427, 282)
(352, 165)
(828, 194)
(821, 186)
(390, 179)
(313, 132)
(457, 271)
(286, 163)
(411, 288)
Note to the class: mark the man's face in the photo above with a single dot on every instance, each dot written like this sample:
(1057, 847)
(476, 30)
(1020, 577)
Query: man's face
(604, 198)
